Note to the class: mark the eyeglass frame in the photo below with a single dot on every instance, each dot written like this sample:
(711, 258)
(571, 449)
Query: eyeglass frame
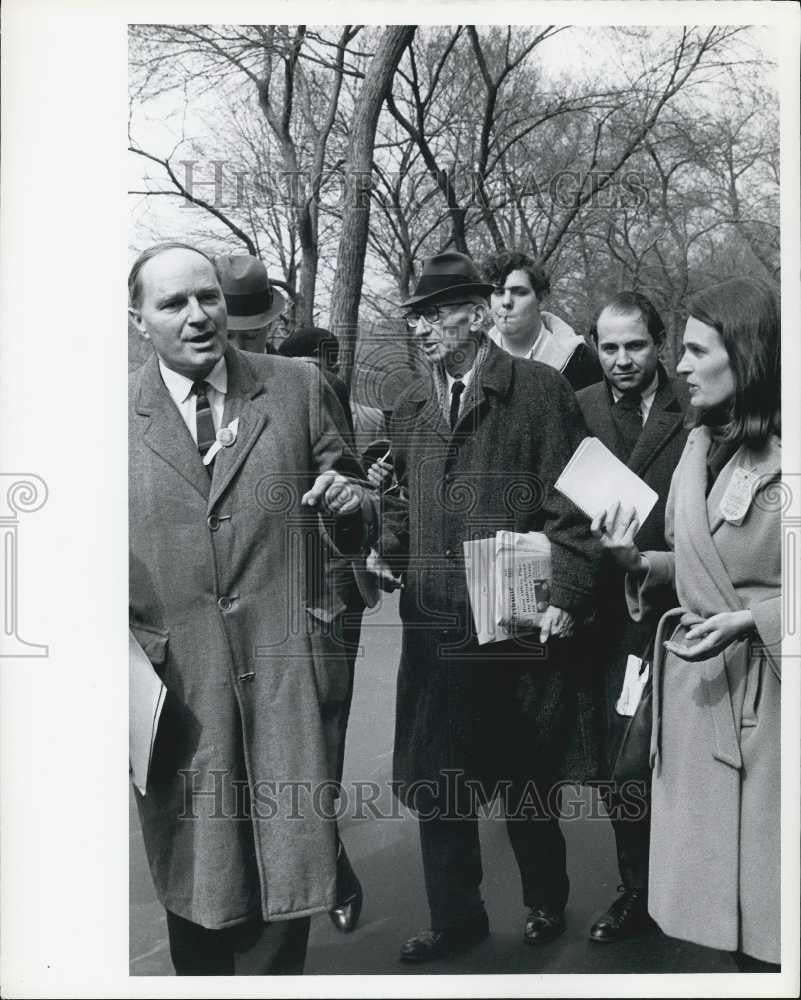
(416, 317)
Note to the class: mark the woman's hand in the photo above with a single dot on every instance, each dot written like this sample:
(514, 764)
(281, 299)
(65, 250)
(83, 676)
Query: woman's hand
(615, 529)
(713, 634)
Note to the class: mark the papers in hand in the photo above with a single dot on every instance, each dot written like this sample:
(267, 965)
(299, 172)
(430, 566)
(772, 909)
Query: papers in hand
(146, 693)
(594, 479)
(508, 582)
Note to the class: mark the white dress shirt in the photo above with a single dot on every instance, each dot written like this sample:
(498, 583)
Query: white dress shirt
(180, 389)
(647, 396)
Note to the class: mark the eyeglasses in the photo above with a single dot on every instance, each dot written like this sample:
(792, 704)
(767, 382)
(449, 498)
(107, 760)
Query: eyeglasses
(431, 314)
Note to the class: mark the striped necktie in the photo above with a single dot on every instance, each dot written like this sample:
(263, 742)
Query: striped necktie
(204, 422)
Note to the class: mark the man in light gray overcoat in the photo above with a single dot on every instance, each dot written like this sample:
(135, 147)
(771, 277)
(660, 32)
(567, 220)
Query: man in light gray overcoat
(232, 455)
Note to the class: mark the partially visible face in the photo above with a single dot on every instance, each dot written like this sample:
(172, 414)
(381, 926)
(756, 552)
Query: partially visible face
(182, 311)
(706, 365)
(515, 308)
(451, 338)
(626, 350)
(254, 341)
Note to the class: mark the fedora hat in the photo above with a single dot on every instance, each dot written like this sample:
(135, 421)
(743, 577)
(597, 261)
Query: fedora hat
(445, 274)
(250, 297)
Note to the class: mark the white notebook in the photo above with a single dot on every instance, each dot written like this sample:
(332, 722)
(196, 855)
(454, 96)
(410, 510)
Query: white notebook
(594, 479)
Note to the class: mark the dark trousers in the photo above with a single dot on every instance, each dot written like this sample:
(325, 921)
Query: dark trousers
(253, 948)
(630, 812)
(452, 865)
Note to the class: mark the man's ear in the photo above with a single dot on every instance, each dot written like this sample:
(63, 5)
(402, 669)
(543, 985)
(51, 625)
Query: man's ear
(138, 322)
(480, 318)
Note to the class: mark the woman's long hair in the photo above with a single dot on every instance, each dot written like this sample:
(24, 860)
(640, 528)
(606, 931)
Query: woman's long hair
(746, 313)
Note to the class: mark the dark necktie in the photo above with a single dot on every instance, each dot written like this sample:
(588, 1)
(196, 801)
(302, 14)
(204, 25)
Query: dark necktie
(456, 394)
(628, 420)
(204, 421)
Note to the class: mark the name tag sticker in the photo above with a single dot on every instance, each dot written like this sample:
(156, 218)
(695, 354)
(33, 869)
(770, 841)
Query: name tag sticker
(633, 683)
(738, 496)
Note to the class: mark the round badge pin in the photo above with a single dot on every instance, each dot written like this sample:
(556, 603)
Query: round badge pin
(225, 436)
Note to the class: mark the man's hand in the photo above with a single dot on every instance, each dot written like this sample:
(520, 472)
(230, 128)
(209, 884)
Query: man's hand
(337, 494)
(379, 472)
(714, 634)
(387, 580)
(615, 529)
(556, 624)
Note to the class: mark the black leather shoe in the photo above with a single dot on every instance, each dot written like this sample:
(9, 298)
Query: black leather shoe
(429, 945)
(543, 925)
(345, 916)
(346, 913)
(625, 918)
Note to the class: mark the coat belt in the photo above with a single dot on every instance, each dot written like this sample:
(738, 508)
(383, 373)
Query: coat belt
(726, 744)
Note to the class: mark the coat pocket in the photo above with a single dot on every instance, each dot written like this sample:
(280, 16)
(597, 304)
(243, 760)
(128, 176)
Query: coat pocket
(153, 641)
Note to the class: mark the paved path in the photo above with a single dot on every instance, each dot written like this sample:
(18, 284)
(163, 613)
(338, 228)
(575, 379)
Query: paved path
(386, 856)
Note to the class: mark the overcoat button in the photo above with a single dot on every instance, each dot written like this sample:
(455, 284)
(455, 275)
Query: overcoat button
(224, 603)
(213, 522)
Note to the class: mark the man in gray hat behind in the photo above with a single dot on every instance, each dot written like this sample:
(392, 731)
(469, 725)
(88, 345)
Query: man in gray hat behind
(477, 448)
(252, 301)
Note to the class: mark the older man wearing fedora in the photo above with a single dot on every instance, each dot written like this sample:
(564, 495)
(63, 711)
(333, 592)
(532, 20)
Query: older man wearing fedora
(252, 300)
(477, 446)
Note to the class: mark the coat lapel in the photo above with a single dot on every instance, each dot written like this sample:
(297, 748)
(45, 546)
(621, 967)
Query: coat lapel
(766, 466)
(166, 433)
(495, 375)
(603, 424)
(423, 395)
(247, 401)
(665, 418)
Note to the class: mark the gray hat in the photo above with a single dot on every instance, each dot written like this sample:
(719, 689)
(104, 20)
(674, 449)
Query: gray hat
(250, 297)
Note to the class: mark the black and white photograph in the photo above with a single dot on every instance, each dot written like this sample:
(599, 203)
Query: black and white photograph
(447, 509)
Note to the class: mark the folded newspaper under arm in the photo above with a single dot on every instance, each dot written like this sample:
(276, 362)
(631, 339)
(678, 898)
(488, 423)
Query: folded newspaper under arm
(146, 693)
(508, 582)
(594, 479)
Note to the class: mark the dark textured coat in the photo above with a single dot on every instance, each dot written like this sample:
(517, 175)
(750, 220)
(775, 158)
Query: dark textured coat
(583, 368)
(219, 591)
(654, 459)
(503, 710)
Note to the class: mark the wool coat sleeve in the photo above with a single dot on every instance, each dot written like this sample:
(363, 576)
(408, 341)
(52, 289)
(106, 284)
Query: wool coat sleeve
(575, 557)
(645, 591)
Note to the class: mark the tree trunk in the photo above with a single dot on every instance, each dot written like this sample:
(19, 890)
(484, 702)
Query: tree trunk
(347, 289)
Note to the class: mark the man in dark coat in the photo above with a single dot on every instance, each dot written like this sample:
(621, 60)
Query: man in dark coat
(344, 600)
(231, 456)
(477, 447)
(525, 329)
(638, 413)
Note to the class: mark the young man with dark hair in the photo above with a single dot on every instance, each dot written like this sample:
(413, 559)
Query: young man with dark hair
(520, 286)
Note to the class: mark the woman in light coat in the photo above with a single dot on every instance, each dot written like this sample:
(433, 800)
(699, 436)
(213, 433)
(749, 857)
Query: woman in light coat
(715, 750)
